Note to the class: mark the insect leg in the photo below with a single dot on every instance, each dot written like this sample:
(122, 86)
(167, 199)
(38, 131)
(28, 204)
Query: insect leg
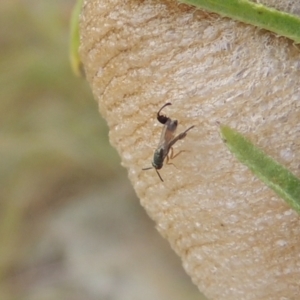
(171, 157)
(180, 136)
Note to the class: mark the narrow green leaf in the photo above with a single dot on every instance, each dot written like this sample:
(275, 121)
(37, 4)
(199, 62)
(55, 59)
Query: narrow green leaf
(281, 23)
(75, 61)
(278, 178)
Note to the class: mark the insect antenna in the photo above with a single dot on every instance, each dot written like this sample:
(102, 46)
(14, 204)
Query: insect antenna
(159, 175)
(144, 169)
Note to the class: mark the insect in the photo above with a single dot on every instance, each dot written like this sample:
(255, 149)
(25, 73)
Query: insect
(167, 141)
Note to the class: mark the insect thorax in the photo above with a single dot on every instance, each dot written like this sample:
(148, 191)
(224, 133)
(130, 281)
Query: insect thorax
(158, 159)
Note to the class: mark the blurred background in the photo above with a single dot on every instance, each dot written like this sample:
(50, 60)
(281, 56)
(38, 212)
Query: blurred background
(71, 226)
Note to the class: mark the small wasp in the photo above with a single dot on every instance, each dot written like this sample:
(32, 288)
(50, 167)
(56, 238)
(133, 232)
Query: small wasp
(166, 142)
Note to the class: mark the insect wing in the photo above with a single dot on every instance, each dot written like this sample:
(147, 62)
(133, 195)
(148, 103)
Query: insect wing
(167, 135)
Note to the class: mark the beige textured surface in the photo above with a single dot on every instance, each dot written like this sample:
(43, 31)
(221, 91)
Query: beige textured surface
(236, 238)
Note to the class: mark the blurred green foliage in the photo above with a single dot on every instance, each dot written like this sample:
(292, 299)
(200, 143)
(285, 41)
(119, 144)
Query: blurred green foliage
(75, 60)
(53, 142)
(55, 154)
(284, 183)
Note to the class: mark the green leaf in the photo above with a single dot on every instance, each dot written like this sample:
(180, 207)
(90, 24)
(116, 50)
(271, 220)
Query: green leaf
(277, 177)
(75, 60)
(281, 23)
